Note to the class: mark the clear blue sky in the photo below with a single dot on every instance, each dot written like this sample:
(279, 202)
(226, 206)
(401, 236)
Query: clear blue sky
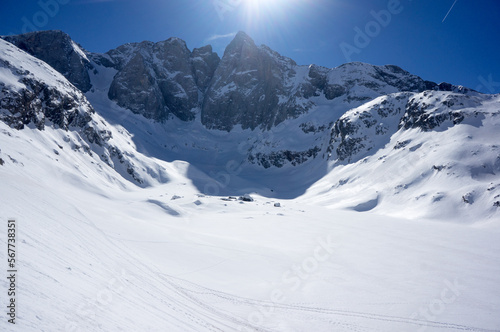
(464, 49)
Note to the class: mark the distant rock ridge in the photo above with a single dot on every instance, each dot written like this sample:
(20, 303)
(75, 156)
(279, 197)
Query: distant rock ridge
(251, 86)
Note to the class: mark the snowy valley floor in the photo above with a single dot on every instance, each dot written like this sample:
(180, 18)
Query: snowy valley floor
(103, 258)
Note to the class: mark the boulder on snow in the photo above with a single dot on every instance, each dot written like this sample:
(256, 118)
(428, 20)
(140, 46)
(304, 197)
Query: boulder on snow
(246, 198)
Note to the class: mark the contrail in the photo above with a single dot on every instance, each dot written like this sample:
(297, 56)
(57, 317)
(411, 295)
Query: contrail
(449, 11)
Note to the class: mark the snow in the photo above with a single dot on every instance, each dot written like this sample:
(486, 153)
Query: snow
(385, 243)
(10, 80)
(33, 67)
(103, 256)
(79, 51)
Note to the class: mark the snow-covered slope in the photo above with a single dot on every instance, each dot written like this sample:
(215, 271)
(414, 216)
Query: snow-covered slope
(60, 51)
(97, 254)
(375, 209)
(35, 97)
(432, 154)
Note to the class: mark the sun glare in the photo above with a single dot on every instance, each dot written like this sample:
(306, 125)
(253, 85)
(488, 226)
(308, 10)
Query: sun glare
(256, 5)
(258, 10)
(271, 18)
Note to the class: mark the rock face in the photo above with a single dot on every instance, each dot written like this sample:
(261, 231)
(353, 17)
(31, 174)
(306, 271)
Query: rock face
(430, 110)
(161, 79)
(367, 128)
(370, 126)
(249, 87)
(32, 93)
(58, 50)
(256, 87)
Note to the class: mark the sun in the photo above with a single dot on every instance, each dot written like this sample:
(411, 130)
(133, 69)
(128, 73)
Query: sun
(265, 4)
(257, 6)
(261, 9)
(269, 18)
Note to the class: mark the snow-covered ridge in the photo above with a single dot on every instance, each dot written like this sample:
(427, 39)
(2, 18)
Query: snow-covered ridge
(271, 118)
(34, 95)
(374, 208)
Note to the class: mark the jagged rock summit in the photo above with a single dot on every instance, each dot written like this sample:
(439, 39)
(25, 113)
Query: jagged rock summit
(251, 86)
(161, 79)
(359, 136)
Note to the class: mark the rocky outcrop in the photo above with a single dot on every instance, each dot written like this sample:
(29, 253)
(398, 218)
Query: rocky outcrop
(431, 110)
(247, 87)
(281, 158)
(39, 103)
(368, 128)
(58, 50)
(32, 93)
(162, 79)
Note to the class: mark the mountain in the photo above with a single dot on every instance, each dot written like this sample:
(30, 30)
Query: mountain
(270, 119)
(58, 50)
(162, 189)
(161, 79)
(35, 96)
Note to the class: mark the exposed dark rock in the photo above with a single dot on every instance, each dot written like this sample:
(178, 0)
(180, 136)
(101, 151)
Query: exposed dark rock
(311, 128)
(58, 50)
(247, 86)
(246, 198)
(161, 79)
(280, 158)
(468, 198)
(51, 100)
(420, 114)
(39, 103)
(204, 62)
(401, 145)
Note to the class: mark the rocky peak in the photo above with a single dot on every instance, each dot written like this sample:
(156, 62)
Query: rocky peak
(240, 43)
(155, 79)
(252, 86)
(204, 62)
(246, 88)
(58, 50)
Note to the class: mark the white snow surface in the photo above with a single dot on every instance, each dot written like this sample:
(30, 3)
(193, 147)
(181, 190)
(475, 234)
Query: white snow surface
(32, 67)
(385, 243)
(102, 255)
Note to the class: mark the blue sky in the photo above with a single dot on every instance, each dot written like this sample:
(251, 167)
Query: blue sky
(464, 49)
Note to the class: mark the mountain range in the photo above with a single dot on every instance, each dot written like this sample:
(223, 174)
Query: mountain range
(259, 112)
(155, 188)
